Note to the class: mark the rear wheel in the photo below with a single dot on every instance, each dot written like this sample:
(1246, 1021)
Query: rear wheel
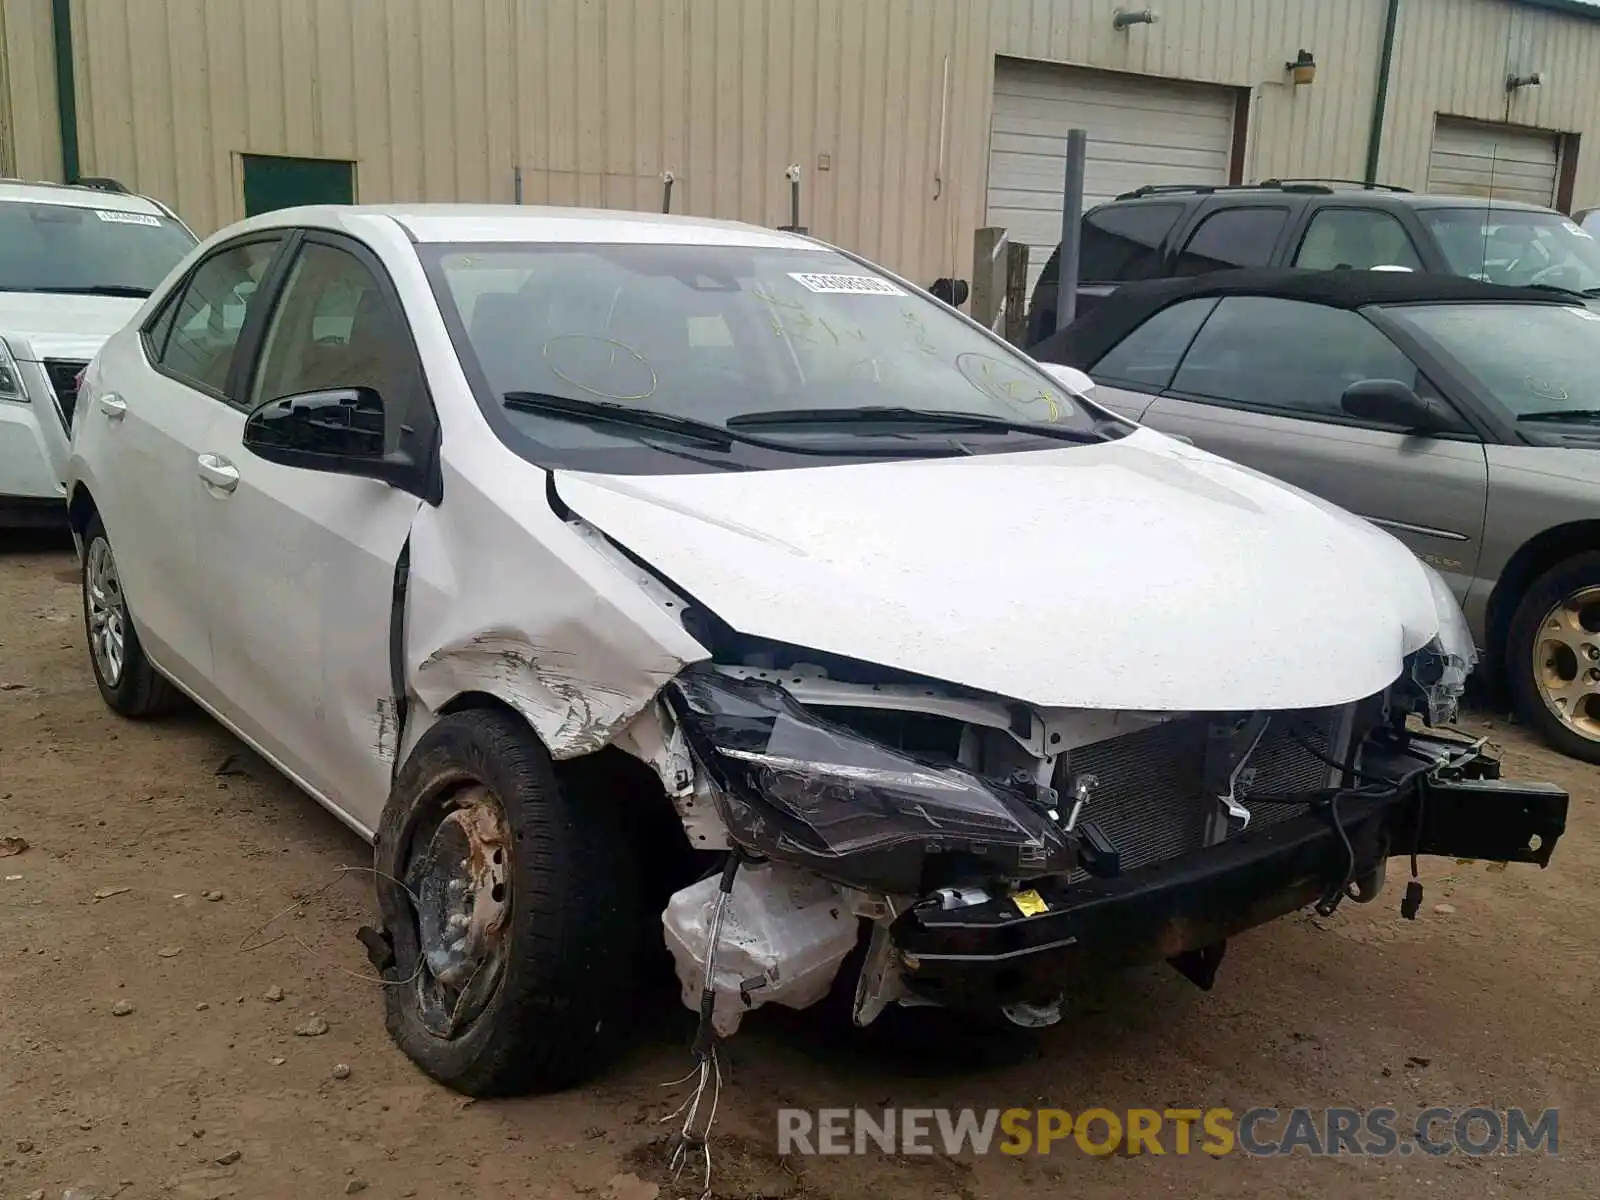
(1553, 656)
(127, 680)
(516, 930)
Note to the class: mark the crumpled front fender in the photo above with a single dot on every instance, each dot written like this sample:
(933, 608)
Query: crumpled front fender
(543, 614)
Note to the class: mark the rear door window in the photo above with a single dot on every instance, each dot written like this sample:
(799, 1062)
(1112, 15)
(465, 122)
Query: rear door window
(1121, 243)
(1146, 359)
(208, 320)
(1231, 238)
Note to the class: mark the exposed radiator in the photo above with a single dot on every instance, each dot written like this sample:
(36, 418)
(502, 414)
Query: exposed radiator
(1149, 801)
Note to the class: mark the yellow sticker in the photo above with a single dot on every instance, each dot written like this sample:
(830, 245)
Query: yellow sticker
(1030, 903)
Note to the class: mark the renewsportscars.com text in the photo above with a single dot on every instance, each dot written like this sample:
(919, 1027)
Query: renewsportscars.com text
(1256, 1132)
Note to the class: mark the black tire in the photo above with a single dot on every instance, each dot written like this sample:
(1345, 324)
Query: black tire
(140, 690)
(1560, 581)
(572, 941)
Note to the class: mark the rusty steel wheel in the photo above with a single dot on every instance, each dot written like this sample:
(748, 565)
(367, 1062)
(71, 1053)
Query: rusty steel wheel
(1553, 656)
(460, 881)
(511, 910)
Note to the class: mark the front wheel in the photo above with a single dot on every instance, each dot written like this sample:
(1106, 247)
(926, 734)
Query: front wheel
(513, 910)
(1553, 656)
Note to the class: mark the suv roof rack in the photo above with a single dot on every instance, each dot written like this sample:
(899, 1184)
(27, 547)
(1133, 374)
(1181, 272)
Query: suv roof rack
(1314, 185)
(1363, 184)
(101, 183)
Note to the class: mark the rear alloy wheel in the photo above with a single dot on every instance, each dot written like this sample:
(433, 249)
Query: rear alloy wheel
(127, 681)
(513, 911)
(1553, 657)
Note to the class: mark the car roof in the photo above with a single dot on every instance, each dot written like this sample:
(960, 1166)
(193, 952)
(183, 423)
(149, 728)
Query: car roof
(25, 191)
(1113, 317)
(513, 223)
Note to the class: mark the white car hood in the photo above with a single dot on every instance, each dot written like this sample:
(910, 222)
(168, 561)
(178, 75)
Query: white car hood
(40, 325)
(1136, 574)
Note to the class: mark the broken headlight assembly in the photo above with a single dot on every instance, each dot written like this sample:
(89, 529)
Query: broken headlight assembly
(1435, 677)
(793, 787)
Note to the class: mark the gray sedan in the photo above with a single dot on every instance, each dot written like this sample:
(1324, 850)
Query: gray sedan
(1462, 417)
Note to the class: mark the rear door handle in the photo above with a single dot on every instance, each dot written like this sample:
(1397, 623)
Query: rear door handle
(113, 405)
(218, 472)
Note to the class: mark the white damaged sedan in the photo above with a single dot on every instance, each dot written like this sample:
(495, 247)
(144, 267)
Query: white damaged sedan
(618, 573)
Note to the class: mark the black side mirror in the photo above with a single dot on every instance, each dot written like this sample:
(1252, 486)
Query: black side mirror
(339, 431)
(1390, 402)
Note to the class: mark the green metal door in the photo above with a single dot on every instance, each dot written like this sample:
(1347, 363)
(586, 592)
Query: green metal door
(272, 181)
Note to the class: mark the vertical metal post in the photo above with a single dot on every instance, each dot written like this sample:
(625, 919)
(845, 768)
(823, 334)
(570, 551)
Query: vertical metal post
(794, 226)
(666, 191)
(1071, 217)
(516, 183)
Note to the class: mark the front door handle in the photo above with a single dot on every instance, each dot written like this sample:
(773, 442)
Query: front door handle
(218, 472)
(113, 405)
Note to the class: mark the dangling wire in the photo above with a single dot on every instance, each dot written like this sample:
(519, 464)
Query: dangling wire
(693, 1135)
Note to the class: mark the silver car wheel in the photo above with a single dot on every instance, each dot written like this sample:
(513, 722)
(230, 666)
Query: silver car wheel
(107, 620)
(1566, 662)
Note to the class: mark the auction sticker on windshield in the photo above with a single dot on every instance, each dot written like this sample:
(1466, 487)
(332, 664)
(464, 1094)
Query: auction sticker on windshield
(846, 285)
(127, 218)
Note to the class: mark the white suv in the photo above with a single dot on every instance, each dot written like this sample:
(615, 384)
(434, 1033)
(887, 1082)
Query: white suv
(75, 263)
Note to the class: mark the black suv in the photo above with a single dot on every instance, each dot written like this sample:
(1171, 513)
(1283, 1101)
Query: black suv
(1164, 231)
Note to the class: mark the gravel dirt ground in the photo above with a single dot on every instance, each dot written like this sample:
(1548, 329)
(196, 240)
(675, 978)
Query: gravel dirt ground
(158, 852)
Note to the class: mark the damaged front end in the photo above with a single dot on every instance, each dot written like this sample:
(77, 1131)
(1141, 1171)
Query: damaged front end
(995, 852)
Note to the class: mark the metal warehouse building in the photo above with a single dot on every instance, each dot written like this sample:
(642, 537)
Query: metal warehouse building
(914, 121)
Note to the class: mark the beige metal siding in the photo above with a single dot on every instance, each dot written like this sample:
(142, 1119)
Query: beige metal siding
(444, 99)
(1315, 130)
(1141, 131)
(1470, 158)
(30, 138)
(1452, 57)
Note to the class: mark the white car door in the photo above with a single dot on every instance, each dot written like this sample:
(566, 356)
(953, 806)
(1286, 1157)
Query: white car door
(156, 391)
(303, 557)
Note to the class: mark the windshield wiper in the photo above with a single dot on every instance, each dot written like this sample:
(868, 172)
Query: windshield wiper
(1577, 416)
(900, 419)
(548, 404)
(98, 289)
(570, 408)
(1559, 290)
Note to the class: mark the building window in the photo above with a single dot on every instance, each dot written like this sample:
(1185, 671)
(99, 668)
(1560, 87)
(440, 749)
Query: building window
(273, 181)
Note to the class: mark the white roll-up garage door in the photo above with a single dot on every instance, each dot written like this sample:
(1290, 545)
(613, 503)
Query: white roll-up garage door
(1142, 130)
(1472, 158)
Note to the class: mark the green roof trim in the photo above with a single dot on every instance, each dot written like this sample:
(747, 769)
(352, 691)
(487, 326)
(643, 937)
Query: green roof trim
(1571, 8)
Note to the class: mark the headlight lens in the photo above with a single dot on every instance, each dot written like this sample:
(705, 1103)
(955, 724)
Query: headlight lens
(10, 377)
(1437, 673)
(793, 787)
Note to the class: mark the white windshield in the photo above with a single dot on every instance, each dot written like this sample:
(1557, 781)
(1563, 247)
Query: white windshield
(71, 248)
(714, 332)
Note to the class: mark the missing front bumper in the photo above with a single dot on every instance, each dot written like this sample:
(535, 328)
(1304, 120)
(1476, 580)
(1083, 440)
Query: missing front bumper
(1184, 909)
